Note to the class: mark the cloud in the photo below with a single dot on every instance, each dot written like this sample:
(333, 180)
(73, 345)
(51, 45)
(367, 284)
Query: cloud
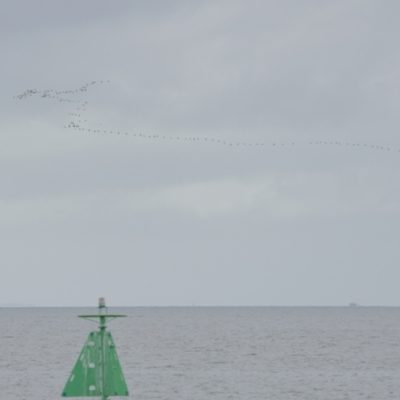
(272, 197)
(241, 71)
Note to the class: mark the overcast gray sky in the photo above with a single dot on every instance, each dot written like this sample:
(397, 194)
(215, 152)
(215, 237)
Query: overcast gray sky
(154, 221)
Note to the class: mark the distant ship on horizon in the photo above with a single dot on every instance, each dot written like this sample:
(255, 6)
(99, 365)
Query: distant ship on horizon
(353, 305)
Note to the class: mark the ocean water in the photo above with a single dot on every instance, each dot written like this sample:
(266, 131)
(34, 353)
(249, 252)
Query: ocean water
(212, 352)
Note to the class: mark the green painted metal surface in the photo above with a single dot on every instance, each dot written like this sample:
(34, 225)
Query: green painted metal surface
(86, 379)
(97, 372)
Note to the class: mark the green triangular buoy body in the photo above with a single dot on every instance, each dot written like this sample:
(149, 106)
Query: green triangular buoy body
(86, 377)
(97, 371)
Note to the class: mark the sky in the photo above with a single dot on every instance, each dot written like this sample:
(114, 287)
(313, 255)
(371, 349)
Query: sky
(256, 165)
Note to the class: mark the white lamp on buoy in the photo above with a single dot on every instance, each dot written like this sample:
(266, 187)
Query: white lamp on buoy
(102, 302)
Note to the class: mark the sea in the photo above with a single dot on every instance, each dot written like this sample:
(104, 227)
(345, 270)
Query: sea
(212, 352)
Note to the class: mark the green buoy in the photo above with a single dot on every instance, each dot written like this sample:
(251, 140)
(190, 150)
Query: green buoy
(97, 371)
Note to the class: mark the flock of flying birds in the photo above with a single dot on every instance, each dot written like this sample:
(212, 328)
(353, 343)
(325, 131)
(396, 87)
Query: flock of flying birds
(78, 123)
